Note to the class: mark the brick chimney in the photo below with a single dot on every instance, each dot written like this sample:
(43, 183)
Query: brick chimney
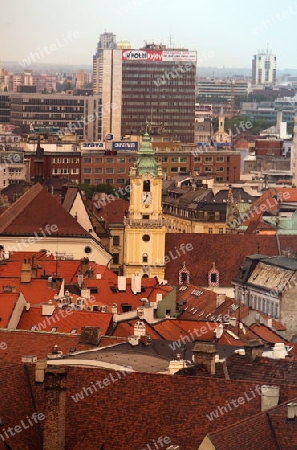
(269, 397)
(205, 353)
(55, 409)
(253, 348)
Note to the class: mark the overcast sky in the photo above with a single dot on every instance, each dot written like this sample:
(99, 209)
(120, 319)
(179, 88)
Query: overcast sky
(225, 33)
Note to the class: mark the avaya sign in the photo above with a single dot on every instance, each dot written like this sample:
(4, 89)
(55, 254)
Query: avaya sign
(158, 55)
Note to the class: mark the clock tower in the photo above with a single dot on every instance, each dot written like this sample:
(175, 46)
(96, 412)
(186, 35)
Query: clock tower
(144, 226)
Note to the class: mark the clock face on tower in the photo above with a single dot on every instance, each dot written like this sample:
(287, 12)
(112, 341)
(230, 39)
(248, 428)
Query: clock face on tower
(146, 198)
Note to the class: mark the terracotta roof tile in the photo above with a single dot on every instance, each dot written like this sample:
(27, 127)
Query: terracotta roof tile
(34, 211)
(126, 329)
(21, 343)
(228, 251)
(64, 323)
(174, 330)
(7, 304)
(266, 334)
(113, 212)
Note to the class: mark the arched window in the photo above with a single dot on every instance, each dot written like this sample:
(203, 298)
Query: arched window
(144, 258)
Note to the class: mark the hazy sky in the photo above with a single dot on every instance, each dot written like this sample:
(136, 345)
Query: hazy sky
(224, 32)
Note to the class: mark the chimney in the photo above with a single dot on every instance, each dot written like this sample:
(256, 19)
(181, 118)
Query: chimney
(122, 283)
(219, 331)
(84, 265)
(279, 351)
(253, 348)
(204, 353)
(220, 299)
(292, 410)
(26, 272)
(34, 266)
(269, 397)
(55, 409)
(90, 335)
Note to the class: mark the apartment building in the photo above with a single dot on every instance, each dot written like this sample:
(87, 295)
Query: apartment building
(152, 84)
(73, 114)
(112, 167)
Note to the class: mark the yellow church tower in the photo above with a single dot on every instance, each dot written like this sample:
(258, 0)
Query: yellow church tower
(145, 228)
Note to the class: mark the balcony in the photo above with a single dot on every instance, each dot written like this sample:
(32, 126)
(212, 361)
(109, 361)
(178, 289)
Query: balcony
(145, 223)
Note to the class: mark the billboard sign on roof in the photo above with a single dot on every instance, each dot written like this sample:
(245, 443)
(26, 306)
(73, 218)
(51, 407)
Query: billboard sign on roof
(159, 55)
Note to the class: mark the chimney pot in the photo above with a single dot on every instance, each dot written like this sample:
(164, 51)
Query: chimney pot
(253, 348)
(204, 353)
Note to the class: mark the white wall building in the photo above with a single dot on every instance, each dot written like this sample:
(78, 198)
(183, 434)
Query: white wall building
(264, 68)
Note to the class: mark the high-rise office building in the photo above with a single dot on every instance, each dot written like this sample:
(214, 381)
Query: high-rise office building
(264, 68)
(106, 41)
(151, 84)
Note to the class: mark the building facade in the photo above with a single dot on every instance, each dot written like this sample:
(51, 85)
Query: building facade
(73, 114)
(144, 226)
(106, 40)
(153, 83)
(264, 68)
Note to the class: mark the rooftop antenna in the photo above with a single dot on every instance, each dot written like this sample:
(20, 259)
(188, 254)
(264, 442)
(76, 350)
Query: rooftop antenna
(170, 41)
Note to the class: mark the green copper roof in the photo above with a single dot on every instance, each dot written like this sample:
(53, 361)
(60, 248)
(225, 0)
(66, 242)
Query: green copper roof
(146, 162)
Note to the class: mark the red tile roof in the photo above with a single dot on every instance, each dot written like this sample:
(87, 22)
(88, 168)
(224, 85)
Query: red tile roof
(7, 304)
(108, 297)
(126, 329)
(113, 212)
(228, 251)
(20, 343)
(36, 209)
(267, 334)
(174, 330)
(65, 323)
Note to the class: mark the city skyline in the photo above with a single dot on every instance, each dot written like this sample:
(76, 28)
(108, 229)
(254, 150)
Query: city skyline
(223, 34)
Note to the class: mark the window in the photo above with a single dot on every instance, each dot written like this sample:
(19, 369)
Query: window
(213, 277)
(116, 240)
(120, 181)
(116, 258)
(174, 169)
(109, 180)
(164, 159)
(98, 170)
(98, 160)
(86, 181)
(174, 159)
(146, 186)
(87, 170)
(145, 217)
(146, 237)
(109, 170)
(109, 160)
(121, 160)
(121, 169)
(87, 160)
(183, 169)
(210, 230)
(183, 159)
(88, 249)
(208, 169)
(208, 159)
(98, 180)
(197, 159)
(221, 230)
(220, 158)
(219, 169)
(144, 258)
